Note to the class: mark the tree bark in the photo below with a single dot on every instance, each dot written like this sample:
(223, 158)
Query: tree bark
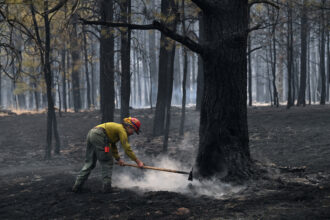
(250, 71)
(163, 73)
(125, 8)
(185, 63)
(75, 58)
(322, 56)
(86, 69)
(290, 58)
(153, 65)
(63, 55)
(303, 55)
(107, 87)
(200, 76)
(223, 149)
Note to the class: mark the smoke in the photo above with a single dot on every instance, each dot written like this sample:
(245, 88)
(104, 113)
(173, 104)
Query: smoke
(152, 180)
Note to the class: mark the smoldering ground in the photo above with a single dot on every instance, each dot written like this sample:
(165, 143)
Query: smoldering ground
(32, 188)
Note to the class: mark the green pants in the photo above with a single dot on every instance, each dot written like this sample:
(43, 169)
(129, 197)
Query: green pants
(96, 141)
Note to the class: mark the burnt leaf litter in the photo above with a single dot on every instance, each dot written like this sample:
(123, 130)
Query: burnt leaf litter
(291, 151)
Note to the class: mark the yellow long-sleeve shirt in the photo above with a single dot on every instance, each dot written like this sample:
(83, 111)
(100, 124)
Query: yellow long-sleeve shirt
(116, 132)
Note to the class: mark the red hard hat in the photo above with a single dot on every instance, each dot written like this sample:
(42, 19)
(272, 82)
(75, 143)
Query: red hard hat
(135, 123)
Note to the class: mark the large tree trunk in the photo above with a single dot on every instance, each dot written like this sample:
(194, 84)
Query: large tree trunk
(125, 8)
(322, 56)
(107, 86)
(303, 55)
(223, 148)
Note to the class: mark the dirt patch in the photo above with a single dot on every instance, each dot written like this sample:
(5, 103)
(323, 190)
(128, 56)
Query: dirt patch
(36, 189)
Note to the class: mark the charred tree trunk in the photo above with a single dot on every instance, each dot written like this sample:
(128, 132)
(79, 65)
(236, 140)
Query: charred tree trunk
(86, 69)
(223, 149)
(107, 87)
(45, 61)
(63, 54)
(93, 76)
(125, 8)
(183, 108)
(303, 55)
(153, 65)
(185, 63)
(169, 82)
(250, 72)
(322, 56)
(75, 58)
(163, 73)
(200, 76)
(0, 83)
(274, 61)
(290, 58)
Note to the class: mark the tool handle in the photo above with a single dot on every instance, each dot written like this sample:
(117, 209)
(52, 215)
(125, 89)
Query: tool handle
(156, 168)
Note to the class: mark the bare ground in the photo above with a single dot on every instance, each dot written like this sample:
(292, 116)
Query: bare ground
(280, 141)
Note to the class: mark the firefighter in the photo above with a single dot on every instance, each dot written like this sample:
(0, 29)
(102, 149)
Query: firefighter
(101, 146)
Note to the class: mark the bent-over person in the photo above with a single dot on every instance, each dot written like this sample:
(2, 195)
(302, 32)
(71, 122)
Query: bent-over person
(101, 146)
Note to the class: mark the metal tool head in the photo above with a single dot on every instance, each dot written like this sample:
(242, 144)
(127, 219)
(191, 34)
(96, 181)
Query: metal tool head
(190, 178)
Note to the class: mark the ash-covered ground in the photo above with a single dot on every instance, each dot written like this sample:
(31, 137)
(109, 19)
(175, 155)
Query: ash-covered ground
(291, 149)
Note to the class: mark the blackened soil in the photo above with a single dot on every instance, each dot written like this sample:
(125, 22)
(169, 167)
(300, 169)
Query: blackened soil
(281, 141)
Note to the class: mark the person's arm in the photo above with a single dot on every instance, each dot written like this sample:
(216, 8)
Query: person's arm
(128, 149)
(114, 151)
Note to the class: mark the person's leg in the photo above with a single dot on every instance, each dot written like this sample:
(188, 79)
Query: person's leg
(90, 162)
(100, 140)
(106, 161)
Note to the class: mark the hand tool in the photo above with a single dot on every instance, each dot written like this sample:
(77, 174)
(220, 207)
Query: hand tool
(190, 178)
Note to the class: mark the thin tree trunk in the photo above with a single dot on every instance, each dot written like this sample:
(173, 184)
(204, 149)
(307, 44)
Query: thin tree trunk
(290, 57)
(86, 68)
(164, 71)
(63, 53)
(185, 63)
(75, 55)
(274, 56)
(200, 76)
(93, 76)
(153, 64)
(322, 57)
(250, 72)
(169, 97)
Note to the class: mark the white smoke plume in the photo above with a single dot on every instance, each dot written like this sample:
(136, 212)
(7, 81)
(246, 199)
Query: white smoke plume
(164, 181)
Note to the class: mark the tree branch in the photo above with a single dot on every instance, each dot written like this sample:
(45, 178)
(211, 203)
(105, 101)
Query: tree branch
(192, 45)
(201, 4)
(254, 49)
(251, 3)
(57, 7)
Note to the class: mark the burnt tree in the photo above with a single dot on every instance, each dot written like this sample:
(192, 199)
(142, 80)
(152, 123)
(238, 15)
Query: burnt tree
(322, 55)
(125, 8)
(107, 84)
(164, 71)
(75, 58)
(303, 55)
(224, 142)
